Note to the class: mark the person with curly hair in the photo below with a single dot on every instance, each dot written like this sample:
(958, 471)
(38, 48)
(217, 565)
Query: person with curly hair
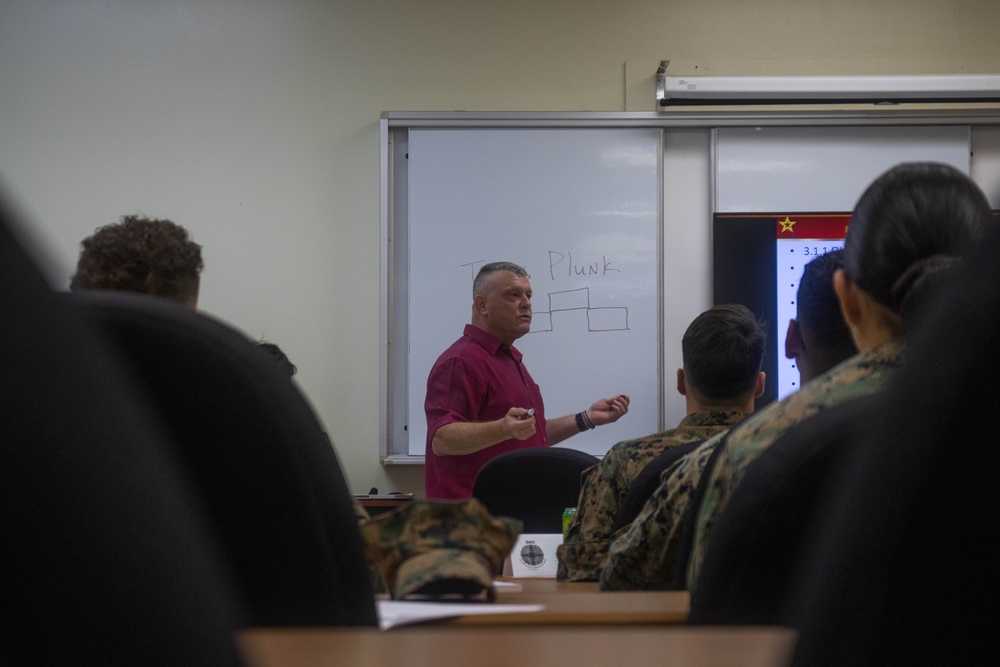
(139, 254)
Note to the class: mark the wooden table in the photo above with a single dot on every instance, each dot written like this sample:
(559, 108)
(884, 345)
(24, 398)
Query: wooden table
(583, 603)
(575, 603)
(378, 504)
(588, 608)
(520, 646)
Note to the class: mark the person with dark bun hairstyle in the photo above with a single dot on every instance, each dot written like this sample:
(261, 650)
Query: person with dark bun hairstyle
(901, 554)
(139, 254)
(909, 226)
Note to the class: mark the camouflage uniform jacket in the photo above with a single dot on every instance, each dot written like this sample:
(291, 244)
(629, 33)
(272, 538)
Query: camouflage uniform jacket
(582, 555)
(645, 554)
(861, 375)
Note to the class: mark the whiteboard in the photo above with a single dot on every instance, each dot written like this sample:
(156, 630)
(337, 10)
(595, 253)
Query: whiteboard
(578, 208)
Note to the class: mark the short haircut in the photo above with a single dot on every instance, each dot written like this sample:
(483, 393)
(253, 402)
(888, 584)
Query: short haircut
(818, 311)
(138, 254)
(723, 349)
(487, 270)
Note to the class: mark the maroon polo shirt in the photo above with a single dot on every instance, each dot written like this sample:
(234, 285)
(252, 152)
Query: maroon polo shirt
(477, 379)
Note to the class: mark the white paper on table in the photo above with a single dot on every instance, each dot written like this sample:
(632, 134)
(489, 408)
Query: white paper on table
(392, 613)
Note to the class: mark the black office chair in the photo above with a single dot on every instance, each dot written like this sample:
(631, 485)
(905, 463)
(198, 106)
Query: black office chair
(905, 570)
(759, 546)
(647, 481)
(534, 485)
(106, 557)
(261, 462)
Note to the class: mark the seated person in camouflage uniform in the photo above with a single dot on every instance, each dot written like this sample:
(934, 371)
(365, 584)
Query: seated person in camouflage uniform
(722, 351)
(818, 338)
(909, 226)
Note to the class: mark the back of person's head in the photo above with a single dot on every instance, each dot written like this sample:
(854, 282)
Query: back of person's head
(911, 225)
(825, 336)
(723, 349)
(138, 254)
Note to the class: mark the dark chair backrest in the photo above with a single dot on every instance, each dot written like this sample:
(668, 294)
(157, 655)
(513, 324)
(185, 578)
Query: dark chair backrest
(534, 485)
(106, 557)
(260, 460)
(759, 545)
(647, 481)
(906, 564)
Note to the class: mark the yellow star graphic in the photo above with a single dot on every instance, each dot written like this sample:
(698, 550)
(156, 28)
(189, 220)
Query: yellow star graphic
(786, 224)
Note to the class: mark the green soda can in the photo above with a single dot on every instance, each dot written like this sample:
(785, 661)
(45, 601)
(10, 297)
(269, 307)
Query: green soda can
(567, 517)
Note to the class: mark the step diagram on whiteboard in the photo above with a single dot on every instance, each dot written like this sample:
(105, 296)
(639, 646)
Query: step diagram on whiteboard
(606, 318)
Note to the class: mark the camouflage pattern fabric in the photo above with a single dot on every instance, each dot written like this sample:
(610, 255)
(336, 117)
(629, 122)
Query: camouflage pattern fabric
(838, 385)
(441, 574)
(585, 548)
(362, 515)
(644, 555)
(439, 549)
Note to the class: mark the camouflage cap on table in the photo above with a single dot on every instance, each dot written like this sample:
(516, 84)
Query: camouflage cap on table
(439, 549)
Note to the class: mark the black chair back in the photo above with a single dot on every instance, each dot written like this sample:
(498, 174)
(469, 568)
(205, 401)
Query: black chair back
(759, 545)
(107, 558)
(260, 460)
(534, 485)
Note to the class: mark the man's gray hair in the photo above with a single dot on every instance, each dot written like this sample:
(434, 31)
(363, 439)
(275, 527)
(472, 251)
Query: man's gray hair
(488, 270)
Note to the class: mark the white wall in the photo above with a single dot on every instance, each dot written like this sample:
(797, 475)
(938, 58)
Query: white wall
(254, 124)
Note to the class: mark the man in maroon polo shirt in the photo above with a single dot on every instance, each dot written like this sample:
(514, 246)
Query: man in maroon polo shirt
(481, 400)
